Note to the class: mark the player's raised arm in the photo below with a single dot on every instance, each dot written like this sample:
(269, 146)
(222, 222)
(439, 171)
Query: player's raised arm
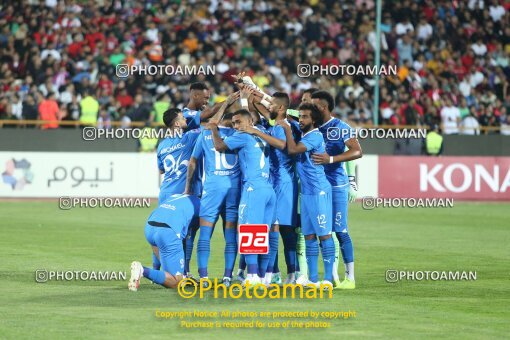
(261, 109)
(292, 147)
(219, 144)
(265, 97)
(274, 142)
(208, 112)
(225, 105)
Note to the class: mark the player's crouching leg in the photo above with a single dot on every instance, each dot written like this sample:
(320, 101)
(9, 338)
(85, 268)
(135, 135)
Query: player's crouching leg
(160, 277)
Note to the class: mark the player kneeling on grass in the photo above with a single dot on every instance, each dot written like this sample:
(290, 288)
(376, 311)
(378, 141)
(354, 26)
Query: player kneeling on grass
(165, 229)
(316, 206)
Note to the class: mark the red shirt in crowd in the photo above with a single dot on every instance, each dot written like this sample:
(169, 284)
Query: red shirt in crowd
(125, 101)
(403, 108)
(106, 85)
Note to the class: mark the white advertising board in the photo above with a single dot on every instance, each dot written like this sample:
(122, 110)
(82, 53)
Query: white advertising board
(83, 174)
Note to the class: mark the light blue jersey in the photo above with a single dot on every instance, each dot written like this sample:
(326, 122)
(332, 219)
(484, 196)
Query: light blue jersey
(220, 168)
(257, 203)
(192, 118)
(312, 176)
(282, 164)
(193, 121)
(253, 155)
(336, 133)
(284, 181)
(173, 158)
(315, 194)
(222, 178)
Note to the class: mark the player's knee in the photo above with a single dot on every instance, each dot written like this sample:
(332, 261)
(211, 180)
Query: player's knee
(172, 281)
(325, 237)
(231, 225)
(343, 237)
(205, 223)
(310, 237)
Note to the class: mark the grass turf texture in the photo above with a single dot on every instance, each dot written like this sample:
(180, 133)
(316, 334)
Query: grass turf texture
(470, 236)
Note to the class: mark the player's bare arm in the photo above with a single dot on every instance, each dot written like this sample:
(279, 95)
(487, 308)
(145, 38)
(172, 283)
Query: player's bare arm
(274, 142)
(292, 147)
(192, 165)
(261, 109)
(224, 106)
(208, 112)
(219, 144)
(354, 152)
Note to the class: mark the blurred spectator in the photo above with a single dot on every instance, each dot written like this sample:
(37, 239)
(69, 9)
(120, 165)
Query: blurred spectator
(160, 106)
(411, 113)
(487, 118)
(469, 125)
(29, 110)
(463, 108)
(124, 99)
(434, 142)
(450, 118)
(505, 126)
(147, 144)
(48, 110)
(16, 107)
(139, 112)
(89, 109)
(104, 120)
(479, 48)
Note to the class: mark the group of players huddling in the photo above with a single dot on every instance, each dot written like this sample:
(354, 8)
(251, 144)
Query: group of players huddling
(252, 160)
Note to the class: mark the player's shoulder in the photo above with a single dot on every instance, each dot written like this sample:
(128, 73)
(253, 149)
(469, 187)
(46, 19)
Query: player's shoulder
(295, 125)
(163, 143)
(261, 128)
(187, 112)
(336, 122)
(226, 131)
(235, 137)
(312, 134)
(277, 127)
(194, 131)
(192, 134)
(341, 124)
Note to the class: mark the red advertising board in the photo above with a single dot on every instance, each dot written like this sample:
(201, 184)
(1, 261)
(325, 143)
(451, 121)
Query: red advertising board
(465, 178)
(253, 239)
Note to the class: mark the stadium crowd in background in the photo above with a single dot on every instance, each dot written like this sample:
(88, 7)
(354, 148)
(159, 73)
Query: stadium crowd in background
(58, 60)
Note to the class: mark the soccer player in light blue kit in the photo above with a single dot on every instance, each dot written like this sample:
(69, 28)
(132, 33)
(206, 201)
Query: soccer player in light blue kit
(221, 192)
(284, 180)
(257, 202)
(316, 205)
(174, 153)
(174, 182)
(338, 135)
(165, 229)
(196, 110)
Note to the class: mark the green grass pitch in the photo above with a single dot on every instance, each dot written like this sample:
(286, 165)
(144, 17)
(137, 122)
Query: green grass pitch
(470, 236)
